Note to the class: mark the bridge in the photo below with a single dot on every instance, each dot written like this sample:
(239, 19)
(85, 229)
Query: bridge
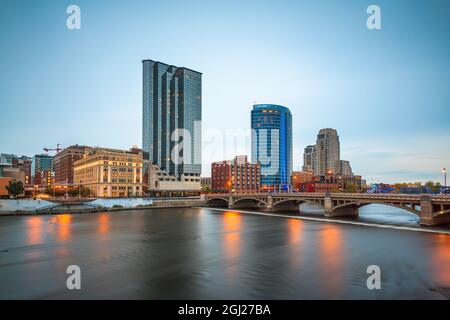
(431, 209)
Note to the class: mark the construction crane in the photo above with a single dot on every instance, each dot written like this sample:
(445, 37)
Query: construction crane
(57, 149)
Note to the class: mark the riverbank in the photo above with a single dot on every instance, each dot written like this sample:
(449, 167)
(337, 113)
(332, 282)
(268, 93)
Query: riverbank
(34, 207)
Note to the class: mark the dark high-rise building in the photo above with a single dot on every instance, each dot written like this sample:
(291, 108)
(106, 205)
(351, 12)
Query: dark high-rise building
(172, 107)
(272, 145)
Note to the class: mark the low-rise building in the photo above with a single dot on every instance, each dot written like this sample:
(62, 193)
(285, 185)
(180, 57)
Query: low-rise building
(301, 177)
(160, 182)
(327, 187)
(63, 163)
(4, 181)
(19, 168)
(110, 172)
(345, 183)
(236, 175)
(15, 173)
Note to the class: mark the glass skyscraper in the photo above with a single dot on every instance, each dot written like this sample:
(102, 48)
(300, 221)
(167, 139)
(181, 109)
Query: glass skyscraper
(172, 99)
(272, 145)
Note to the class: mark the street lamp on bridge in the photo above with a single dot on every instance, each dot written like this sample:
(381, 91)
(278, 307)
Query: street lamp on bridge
(444, 171)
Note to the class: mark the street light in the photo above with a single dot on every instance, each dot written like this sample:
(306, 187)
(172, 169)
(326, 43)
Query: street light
(444, 171)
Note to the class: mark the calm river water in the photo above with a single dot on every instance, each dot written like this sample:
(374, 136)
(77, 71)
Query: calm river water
(209, 254)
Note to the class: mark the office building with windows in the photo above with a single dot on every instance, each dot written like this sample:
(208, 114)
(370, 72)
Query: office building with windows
(345, 168)
(63, 163)
(272, 145)
(110, 172)
(41, 163)
(327, 152)
(172, 113)
(309, 158)
(237, 175)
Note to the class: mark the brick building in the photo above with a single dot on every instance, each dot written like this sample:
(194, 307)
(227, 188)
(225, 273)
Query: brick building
(63, 163)
(237, 175)
(301, 177)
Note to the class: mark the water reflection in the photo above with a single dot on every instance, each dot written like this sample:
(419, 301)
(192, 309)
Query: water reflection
(64, 226)
(34, 230)
(232, 227)
(237, 256)
(295, 245)
(232, 242)
(331, 260)
(295, 231)
(103, 223)
(440, 260)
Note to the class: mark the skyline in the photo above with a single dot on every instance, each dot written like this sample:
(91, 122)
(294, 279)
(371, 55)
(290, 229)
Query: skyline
(400, 73)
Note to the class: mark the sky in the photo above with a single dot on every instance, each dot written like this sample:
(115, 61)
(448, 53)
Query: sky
(385, 91)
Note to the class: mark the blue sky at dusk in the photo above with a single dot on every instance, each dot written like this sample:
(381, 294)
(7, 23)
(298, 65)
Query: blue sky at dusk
(385, 91)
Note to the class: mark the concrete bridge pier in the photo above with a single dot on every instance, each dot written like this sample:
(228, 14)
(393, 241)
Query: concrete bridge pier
(426, 211)
(430, 214)
(329, 204)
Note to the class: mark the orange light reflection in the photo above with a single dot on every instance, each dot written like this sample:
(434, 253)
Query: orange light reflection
(232, 241)
(34, 230)
(103, 223)
(64, 226)
(332, 262)
(440, 260)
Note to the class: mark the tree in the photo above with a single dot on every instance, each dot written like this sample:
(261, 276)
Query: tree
(15, 188)
(85, 191)
(417, 184)
(434, 187)
(74, 192)
(399, 186)
(205, 188)
(350, 187)
(48, 191)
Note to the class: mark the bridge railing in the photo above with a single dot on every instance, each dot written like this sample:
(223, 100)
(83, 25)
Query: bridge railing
(383, 196)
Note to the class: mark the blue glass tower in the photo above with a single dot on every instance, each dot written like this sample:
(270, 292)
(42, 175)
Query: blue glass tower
(272, 145)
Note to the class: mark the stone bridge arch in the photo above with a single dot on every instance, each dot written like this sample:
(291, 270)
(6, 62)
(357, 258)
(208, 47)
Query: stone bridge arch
(356, 205)
(441, 217)
(248, 202)
(217, 202)
(291, 204)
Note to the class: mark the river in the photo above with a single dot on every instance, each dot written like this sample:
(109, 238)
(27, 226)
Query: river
(201, 253)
